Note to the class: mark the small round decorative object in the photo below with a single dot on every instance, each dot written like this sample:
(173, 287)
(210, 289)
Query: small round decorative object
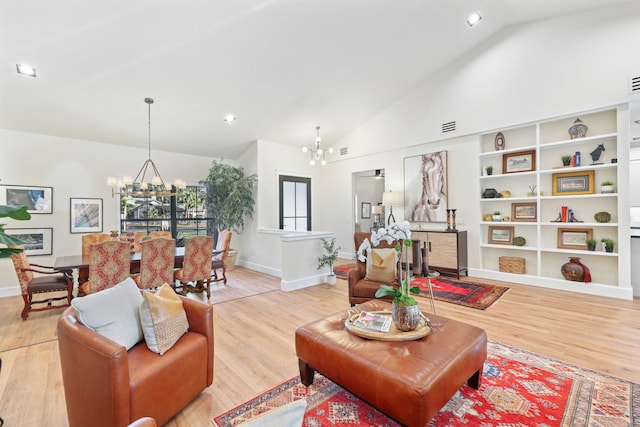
(575, 271)
(519, 241)
(578, 130)
(405, 317)
(506, 219)
(490, 193)
(487, 217)
(506, 193)
(499, 141)
(602, 216)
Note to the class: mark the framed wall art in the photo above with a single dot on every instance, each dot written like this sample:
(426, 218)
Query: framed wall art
(38, 200)
(524, 212)
(86, 215)
(522, 161)
(426, 187)
(574, 238)
(500, 235)
(365, 210)
(36, 241)
(573, 183)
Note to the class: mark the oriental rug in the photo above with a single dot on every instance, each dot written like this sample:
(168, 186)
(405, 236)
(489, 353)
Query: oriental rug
(519, 389)
(469, 294)
(342, 271)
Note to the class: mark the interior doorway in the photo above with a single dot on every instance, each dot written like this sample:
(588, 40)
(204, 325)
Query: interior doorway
(368, 212)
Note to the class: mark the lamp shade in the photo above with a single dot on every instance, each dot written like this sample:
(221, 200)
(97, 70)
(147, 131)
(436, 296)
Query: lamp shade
(377, 209)
(392, 198)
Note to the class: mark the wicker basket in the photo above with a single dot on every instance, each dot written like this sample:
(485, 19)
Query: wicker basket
(509, 264)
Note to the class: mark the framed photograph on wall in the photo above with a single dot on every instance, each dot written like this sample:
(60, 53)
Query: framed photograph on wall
(86, 215)
(37, 241)
(524, 212)
(500, 235)
(365, 211)
(574, 238)
(569, 183)
(38, 200)
(522, 161)
(426, 187)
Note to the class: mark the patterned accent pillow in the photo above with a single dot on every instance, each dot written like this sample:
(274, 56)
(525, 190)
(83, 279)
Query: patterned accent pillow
(381, 265)
(163, 319)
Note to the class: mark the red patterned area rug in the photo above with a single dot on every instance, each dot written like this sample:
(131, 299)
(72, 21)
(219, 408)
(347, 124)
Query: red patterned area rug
(342, 271)
(469, 294)
(519, 389)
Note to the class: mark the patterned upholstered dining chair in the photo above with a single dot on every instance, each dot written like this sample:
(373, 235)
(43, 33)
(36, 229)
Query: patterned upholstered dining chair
(195, 274)
(222, 250)
(92, 239)
(48, 281)
(156, 263)
(109, 264)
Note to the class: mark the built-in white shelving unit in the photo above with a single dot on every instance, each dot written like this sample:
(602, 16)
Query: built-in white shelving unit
(547, 142)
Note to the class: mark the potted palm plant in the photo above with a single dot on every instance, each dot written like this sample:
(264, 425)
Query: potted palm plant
(230, 197)
(329, 257)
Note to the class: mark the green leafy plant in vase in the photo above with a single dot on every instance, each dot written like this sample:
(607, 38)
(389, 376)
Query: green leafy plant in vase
(591, 244)
(566, 160)
(608, 244)
(404, 308)
(329, 257)
(489, 170)
(13, 212)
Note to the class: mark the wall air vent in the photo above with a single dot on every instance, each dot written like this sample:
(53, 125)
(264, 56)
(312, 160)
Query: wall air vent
(449, 127)
(634, 84)
(344, 151)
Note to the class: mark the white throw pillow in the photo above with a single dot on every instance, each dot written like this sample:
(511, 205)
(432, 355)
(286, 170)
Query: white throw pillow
(113, 312)
(289, 415)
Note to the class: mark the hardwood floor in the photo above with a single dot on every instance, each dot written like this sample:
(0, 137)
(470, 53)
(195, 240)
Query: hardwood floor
(254, 344)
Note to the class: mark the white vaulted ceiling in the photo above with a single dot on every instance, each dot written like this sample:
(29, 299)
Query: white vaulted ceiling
(281, 66)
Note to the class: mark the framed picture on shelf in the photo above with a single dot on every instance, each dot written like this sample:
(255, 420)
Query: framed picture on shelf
(569, 183)
(37, 241)
(574, 238)
(500, 235)
(522, 161)
(524, 212)
(38, 200)
(86, 215)
(426, 187)
(366, 210)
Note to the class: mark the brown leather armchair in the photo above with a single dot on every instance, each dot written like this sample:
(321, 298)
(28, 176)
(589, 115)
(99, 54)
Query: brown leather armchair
(360, 289)
(106, 385)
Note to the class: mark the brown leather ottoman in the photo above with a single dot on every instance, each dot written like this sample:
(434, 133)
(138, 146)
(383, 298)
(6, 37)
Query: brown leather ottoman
(407, 380)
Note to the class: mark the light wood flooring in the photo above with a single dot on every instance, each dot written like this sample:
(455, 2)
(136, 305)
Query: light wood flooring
(254, 341)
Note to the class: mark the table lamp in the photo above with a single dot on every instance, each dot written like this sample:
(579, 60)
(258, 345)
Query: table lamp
(391, 199)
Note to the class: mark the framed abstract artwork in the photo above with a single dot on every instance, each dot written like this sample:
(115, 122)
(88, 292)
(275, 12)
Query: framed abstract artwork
(36, 241)
(38, 200)
(365, 210)
(86, 215)
(426, 187)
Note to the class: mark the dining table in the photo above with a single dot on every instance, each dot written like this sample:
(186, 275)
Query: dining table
(81, 263)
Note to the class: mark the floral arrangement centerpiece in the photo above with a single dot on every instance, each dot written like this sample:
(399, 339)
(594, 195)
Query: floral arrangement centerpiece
(405, 311)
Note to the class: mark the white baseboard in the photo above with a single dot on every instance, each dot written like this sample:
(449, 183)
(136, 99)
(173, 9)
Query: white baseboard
(293, 285)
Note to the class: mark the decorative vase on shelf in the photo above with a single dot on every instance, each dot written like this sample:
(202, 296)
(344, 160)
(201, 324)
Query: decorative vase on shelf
(578, 130)
(405, 317)
(575, 271)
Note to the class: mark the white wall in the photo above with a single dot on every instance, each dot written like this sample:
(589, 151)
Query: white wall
(76, 169)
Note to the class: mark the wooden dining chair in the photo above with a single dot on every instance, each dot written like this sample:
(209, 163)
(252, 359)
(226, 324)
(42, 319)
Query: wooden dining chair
(109, 264)
(92, 239)
(165, 234)
(49, 281)
(156, 263)
(221, 252)
(195, 274)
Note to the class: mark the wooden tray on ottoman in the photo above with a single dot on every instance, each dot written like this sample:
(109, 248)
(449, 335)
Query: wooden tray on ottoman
(394, 333)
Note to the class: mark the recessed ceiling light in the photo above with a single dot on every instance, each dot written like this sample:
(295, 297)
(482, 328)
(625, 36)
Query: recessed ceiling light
(27, 70)
(473, 19)
(230, 118)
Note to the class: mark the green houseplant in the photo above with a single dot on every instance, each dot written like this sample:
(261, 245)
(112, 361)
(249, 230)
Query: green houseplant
(329, 257)
(606, 187)
(14, 212)
(230, 197)
(591, 244)
(608, 244)
(489, 170)
(566, 160)
(405, 310)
